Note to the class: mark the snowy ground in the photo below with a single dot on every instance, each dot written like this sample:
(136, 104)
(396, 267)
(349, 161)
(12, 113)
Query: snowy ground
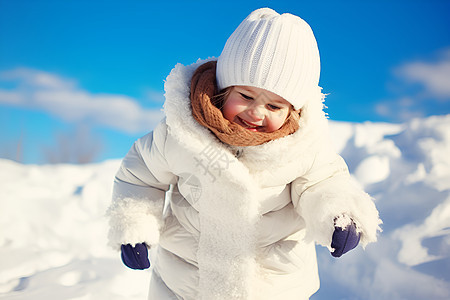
(53, 229)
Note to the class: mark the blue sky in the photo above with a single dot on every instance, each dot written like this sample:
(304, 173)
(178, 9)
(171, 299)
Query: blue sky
(84, 79)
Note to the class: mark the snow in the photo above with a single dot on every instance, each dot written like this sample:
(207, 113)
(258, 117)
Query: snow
(53, 226)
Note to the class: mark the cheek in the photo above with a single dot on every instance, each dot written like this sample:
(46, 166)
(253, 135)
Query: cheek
(276, 121)
(231, 108)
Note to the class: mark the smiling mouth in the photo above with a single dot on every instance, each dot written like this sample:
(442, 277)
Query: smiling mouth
(248, 125)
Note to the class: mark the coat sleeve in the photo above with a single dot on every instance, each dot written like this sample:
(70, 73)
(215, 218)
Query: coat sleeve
(328, 191)
(135, 215)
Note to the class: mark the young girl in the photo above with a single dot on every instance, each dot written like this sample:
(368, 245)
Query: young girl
(236, 185)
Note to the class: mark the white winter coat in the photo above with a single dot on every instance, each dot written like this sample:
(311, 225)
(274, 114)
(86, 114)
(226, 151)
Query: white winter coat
(241, 222)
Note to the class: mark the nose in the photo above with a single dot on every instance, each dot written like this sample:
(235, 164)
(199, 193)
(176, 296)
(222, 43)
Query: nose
(256, 112)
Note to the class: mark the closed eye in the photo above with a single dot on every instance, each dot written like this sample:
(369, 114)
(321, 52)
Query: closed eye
(273, 107)
(246, 97)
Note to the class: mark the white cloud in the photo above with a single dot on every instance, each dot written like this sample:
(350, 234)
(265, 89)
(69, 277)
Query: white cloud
(62, 98)
(433, 76)
(420, 88)
(401, 109)
(38, 79)
(10, 97)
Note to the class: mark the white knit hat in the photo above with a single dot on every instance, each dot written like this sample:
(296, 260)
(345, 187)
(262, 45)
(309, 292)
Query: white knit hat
(275, 52)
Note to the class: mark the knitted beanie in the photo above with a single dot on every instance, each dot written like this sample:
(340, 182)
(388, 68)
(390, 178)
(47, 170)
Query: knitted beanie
(274, 52)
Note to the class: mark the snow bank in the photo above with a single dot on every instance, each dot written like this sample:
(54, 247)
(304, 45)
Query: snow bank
(53, 235)
(406, 168)
(53, 228)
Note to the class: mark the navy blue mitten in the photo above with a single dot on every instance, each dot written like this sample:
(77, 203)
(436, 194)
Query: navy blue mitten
(135, 257)
(344, 239)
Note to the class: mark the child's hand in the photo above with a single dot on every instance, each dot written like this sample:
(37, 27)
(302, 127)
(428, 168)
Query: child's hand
(345, 237)
(135, 257)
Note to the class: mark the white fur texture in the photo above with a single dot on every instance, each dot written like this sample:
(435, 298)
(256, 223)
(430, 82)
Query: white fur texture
(342, 221)
(322, 203)
(134, 221)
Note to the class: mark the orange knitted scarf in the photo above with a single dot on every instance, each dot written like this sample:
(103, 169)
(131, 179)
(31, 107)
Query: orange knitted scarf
(203, 90)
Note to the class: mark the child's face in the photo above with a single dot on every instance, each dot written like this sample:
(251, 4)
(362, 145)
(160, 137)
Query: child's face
(255, 109)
